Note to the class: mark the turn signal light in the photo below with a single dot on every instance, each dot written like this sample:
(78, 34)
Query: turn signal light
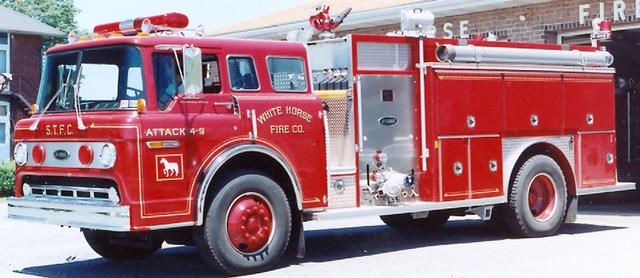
(85, 154)
(141, 105)
(39, 154)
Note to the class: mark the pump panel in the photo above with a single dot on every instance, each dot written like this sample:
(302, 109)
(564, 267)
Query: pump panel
(387, 118)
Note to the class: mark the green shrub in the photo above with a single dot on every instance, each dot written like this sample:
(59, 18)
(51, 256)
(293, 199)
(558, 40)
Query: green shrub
(7, 178)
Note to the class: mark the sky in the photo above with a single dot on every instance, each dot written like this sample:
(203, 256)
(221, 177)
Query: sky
(212, 14)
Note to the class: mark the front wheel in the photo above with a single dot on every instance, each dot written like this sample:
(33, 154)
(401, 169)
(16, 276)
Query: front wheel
(537, 199)
(247, 226)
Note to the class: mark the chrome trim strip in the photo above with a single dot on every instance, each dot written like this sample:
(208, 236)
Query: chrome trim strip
(66, 213)
(338, 171)
(620, 186)
(596, 132)
(519, 67)
(327, 148)
(423, 113)
(468, 136)
(222, 158)
(414, 207)
(171, 226)
(359, 93)
(254, 125)
(441, 195)
(470, 189)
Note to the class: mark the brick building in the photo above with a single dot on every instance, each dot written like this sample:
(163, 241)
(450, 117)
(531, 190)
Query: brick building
(547, 21)
(21, 41)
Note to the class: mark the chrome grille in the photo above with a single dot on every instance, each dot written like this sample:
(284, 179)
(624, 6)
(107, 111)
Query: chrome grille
(102, 195)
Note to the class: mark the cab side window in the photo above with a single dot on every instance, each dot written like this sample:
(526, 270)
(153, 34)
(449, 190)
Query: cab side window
(210, 74)
(242, 74)
(287, 74)
(167, 79)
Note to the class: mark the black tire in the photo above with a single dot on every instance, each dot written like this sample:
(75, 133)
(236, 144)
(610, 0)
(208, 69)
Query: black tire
(537, 199)
(242, 192)
(119, 247)
(435, 220)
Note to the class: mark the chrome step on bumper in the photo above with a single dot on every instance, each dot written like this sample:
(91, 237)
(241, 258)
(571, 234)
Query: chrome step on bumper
(90, 215)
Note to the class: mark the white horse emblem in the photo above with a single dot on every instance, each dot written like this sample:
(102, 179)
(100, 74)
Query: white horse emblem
(169, 168)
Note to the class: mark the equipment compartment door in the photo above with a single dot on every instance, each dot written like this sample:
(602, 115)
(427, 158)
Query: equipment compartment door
(454, 169)
(597, 159)
(486, 167)
(387, 121)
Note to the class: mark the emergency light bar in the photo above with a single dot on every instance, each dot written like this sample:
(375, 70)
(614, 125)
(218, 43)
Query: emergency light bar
(143, 24)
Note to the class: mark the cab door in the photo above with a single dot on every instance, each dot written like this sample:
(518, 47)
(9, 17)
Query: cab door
(178, 134)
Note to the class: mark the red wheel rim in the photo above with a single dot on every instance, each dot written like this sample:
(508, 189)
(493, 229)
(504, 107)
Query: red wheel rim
(250, 223)
(542, 197)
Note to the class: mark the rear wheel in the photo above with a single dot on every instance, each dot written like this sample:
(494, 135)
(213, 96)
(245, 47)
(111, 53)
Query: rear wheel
(247, 226)
(434, 220)
(537, 199)
(122, 246)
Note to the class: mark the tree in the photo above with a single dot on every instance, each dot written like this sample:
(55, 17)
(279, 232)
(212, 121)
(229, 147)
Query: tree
(57, 13)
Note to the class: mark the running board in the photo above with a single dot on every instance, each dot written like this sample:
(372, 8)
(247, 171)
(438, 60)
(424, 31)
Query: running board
(404, 208)
(621, 186)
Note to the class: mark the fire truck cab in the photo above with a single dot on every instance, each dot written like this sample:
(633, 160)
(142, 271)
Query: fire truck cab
(231, 144)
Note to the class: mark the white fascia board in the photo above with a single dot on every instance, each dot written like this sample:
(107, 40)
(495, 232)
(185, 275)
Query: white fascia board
(386, 16)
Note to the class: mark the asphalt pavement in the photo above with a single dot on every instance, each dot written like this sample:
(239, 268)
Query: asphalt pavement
(604, 242)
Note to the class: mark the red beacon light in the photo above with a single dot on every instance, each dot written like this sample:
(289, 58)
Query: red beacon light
(144, 24)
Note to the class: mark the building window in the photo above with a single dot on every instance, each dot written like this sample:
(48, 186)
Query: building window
(4, 53)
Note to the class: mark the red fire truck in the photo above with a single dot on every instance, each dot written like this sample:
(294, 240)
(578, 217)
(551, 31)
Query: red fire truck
(140, 139)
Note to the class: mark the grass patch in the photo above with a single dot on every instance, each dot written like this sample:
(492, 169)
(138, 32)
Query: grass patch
(7, 178)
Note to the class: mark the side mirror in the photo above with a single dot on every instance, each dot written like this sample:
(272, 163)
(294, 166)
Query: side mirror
(192, 65)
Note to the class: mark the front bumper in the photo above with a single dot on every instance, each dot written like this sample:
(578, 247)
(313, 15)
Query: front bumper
(90, 215)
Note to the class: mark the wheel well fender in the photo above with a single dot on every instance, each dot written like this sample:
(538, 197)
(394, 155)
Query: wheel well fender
(246, 157)
(551, 150)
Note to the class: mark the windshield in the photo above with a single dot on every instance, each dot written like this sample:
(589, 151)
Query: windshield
(110, 78)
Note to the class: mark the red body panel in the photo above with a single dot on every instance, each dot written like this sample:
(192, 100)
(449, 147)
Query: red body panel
(596, 99)
(596, 170)
(463, 95)
(529, 95)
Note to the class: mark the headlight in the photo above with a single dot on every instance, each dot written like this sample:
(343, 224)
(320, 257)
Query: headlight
(26, 189)
(108, 155)
(20, 154)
